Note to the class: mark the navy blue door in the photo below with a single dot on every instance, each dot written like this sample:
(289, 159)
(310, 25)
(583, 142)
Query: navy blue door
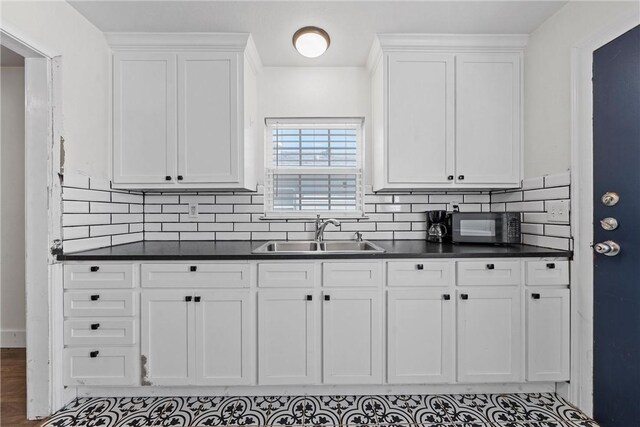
(616, 168)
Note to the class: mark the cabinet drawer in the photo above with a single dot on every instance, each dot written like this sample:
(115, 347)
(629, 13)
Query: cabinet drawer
(547, 273)
(83, 332)
(196, 275)
(99, 303)
(286, 275)
(419, 273)
(90, 276)
(488, 272)
(344, 274)
(109, 366)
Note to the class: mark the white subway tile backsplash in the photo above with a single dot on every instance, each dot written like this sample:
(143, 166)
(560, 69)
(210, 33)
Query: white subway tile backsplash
(286, 226)
(69, 233)
(537, 206)
(412, 198)
(103, 207)
(533, 183)
(215, 226)
(233, 200)
(161, 236)
(215, 208)
(394, 226)
(85, 195)
(393, 208)
(161, 217)
(75, 207)
(75, 180)
(533, 229)
(175, 208)
(85, 219)
(127, 218)
(233, 217)
(127, 238)
(180, 226)
(514, 196)
(251, 226)
(127, 198)
(108, 230)
(202, 217)
(201, 199)
(155, 199)
(358, 226)
(197, 236)
(557, 180)
(86, 244)
(557, 230)
(99, 184)
(409, 217)
(547, 194)
(446, 198)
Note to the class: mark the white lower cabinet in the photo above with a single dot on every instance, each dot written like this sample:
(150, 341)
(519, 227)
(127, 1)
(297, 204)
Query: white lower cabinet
(286, 337)
(489, 335)
(420, 336)
(196, 337)
(547, 334)
(352, 337)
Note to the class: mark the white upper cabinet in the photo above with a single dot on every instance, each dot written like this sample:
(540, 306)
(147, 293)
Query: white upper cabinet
(446, 111)
(144, 93)
(184, 109)
(420, 114)
(208, 143)
(488, 119)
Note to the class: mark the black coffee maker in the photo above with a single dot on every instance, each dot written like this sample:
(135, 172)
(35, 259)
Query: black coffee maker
(438, 226)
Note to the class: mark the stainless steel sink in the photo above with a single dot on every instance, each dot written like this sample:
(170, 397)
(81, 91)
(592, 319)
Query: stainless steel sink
(318, 248)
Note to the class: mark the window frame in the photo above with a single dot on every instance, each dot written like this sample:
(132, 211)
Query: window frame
(309, 123)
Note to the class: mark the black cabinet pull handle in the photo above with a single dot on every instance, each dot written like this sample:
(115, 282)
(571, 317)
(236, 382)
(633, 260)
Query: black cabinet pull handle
(193, 268)
(94, 269)
(180, 178)
(535, 296)
(490, 266)
(95, 297)
(188, 299)
(309, 298)
(450, 177)
(197, 299)
(327, 297)
(446, 297)
(551, 265)
(94, 353)
(420, 267)
(460, 177)
(464, 296)
(95, 326)
(167, 178)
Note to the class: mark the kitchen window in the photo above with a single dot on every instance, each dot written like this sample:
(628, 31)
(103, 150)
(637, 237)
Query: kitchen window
(314, 167)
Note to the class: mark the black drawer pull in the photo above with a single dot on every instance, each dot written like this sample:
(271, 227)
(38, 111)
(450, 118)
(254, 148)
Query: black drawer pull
(193, 268)
(94, 269)
(551, 265)
(95, 297)
(167, 178)
(94, 353)
(464, 296)
(309, 298)
(490, 266)
(197, 299)
(327, 297)
(420, 267)
(450, 177)
(535, 296)
(446, 297)
(95, 326)
(180, 178)
(188, 298)
(460, 177)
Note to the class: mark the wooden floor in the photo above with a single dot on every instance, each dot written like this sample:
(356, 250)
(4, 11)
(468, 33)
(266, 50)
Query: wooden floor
(13, 389)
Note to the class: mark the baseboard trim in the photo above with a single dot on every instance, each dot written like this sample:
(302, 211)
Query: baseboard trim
(13, 338)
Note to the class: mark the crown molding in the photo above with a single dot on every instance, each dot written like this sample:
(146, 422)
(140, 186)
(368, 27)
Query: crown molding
(252, 55)
(181, 41)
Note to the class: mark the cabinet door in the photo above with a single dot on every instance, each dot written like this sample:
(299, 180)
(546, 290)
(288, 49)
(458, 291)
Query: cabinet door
(488, 118)
(286, 337)
(168, 353)
(489, 335)
(420, 331)
(420, 119)
(208, 144)
(144, 117)
(548, 334)
(352, 337)
(223, 337)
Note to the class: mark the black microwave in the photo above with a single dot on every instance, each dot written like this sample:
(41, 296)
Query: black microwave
(500, 228)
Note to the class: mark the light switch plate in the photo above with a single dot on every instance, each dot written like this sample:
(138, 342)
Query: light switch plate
(557, 211)
(193, 210)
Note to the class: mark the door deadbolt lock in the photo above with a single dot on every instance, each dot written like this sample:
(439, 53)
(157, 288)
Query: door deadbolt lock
(610, 198)
(609, 223)
(608, 248)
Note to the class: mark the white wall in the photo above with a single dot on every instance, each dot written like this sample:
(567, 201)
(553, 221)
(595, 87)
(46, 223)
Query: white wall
(12, 294)
(547, 78)
(85, 77)
(315, 92)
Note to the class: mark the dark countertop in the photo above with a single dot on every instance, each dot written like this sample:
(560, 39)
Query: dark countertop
(227, 250)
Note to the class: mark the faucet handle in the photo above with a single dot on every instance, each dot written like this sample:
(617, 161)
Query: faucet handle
(358, 236)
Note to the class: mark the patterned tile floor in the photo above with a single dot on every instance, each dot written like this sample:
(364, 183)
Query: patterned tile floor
(476, 410)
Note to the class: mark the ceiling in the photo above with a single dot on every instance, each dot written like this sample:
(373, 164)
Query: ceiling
(9, 58)
(351, 24)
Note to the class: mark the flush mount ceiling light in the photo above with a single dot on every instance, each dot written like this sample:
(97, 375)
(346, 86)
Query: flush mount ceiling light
(311, 42)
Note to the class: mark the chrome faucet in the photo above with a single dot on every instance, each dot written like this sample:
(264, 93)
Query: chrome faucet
(321, 225)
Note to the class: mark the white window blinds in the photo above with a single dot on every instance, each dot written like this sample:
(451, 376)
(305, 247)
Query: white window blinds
(314, 166)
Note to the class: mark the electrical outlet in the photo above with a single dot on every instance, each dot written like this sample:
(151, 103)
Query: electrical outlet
(557, 211)
(193, 210)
